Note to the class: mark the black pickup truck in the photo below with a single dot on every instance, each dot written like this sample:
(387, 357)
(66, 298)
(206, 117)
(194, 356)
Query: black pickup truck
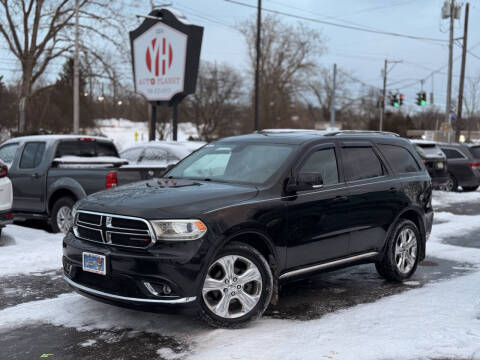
(50, 173)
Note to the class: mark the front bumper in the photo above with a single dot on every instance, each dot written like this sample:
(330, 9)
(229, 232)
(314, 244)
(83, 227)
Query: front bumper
(6, 217)
(179, 265)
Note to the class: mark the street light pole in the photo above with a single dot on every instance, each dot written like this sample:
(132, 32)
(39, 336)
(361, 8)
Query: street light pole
(76, 82)
(257, 66)
(450, 63)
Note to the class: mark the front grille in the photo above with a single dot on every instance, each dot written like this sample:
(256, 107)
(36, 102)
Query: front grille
(113, 229)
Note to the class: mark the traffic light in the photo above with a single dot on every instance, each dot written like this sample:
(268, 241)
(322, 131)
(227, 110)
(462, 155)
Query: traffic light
(423, 102)
(394, 100)
(422, 98)
(401, 98)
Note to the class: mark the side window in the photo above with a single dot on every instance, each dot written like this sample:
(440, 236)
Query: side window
(7, 153)
(323, 162)
(32, 155)
(453, 154)
(361, 163)
(152, 155)
(132, 154)
(400, 159)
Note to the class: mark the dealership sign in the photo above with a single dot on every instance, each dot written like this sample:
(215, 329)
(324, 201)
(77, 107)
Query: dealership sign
(166, 54)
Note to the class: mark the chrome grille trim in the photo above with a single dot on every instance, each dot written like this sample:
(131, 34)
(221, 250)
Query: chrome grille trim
(107, 229)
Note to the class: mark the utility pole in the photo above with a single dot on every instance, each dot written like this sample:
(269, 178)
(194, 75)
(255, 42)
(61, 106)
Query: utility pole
(384, 94)
(332, 99)
(462, 75)
(450, 66)
(257, 66)
(76, 82)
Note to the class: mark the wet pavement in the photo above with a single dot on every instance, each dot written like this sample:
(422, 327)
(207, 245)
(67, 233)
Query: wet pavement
(300, 300)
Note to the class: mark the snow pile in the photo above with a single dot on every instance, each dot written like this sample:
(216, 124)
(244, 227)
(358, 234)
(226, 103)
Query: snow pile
(24, 250)
(445, 198)
(122, 131)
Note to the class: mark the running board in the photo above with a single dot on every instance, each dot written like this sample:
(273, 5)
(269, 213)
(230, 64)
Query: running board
(328, 264)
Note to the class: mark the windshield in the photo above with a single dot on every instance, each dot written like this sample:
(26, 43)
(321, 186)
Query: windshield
(244, 163)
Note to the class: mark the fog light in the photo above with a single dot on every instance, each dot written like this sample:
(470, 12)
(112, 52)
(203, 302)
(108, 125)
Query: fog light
(167, 289)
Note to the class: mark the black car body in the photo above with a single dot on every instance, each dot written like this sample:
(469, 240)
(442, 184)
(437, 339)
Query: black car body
(334, 200)
(435, 161)
(463, 165)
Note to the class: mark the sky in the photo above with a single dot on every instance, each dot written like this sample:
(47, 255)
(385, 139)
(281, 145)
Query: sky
(359, 53)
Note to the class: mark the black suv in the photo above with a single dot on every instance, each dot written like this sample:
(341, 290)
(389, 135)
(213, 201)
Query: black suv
(231, 222)
(463, 166)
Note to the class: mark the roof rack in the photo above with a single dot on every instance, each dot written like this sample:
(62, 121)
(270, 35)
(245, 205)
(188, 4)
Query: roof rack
(360, 132)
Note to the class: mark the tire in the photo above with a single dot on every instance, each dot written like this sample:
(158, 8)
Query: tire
(469, 188)
(243, 302)
(452, 183)
(391, 266)
(58, 212)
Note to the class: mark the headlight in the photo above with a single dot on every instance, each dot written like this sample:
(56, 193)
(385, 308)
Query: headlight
(74, 209)
(178, 229)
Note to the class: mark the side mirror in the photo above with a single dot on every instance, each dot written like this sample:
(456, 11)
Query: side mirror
(306, 181)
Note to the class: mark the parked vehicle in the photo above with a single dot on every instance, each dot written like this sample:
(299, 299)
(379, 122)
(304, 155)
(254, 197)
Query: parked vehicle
(6, 197)
(50, 173)
(240, 216)
(155, 156)
(435, 161)
(463, 166)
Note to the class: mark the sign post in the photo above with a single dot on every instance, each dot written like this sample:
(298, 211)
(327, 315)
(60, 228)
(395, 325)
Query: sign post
(166, 56)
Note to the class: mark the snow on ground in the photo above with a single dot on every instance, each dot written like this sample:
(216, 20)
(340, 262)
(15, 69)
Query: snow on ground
(27, 250)
(439, 320)
(122, 131)
(445, 198)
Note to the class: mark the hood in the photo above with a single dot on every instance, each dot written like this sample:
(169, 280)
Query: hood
(167, 198)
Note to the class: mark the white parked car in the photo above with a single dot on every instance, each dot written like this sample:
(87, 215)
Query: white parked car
(156, 156)
(6, 197)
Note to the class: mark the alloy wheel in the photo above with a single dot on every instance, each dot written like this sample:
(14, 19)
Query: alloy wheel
(406, 250)
(232, 287)
(64, 219)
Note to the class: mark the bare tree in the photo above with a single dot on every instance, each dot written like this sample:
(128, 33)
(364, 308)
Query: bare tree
(471, 101)
(213, 106)
(40, 31)
(289, 58)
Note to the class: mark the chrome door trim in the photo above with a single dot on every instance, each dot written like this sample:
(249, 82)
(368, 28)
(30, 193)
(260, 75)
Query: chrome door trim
(328, 264)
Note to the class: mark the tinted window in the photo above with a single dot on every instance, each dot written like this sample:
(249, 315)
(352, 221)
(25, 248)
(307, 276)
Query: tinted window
(132, 154)
(32, 155)
(7, 153)
(474, 149)
(453, 154)
(400, 159)
(361, 163)
(86, 148)
(238, 162)
(323, 162)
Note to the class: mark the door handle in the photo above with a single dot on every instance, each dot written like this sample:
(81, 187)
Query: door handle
(393, 189)
(340, 198)
(35, 175)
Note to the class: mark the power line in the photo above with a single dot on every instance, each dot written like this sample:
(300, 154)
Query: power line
(351, 27)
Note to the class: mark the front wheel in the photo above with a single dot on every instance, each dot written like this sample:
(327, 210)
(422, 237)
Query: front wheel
(237, 287)
(451, 184)
(401, 256)
(62, 219)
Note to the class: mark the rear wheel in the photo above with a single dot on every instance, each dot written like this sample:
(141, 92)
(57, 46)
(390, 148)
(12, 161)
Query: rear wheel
(62, 219)
(237, 287)
(452, 183)
(469, 188)
(401, 256)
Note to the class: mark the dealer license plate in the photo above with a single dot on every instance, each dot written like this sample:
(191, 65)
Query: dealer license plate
(94, 263)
